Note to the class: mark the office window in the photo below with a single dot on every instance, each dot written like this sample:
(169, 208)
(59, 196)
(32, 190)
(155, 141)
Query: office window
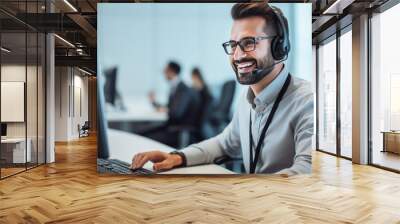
(13, 87)
(385, 89)
(22, 93)
(327, 97)
(346, 94)
(314, 85)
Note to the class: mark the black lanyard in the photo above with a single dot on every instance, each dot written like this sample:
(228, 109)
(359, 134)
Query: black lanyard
(253, 163)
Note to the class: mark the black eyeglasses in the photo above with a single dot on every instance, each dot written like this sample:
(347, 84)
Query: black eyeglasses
(246, 44)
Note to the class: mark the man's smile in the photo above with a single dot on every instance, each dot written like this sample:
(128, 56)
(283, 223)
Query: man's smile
(245, 67)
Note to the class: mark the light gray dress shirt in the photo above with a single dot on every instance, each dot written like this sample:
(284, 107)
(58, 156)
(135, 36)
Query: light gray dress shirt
(287, 145)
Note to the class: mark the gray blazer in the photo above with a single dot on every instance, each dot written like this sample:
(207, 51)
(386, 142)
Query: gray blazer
(287, 144)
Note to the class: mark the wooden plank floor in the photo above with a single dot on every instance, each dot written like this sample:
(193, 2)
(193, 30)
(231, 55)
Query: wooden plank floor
(71, 191)
(10, 171)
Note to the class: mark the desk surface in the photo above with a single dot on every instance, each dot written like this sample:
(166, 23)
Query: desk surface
(124, 146)
(14, 140)
(140, 111)
(391, 132)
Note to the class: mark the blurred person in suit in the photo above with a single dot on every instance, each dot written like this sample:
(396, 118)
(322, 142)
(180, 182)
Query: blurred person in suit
(206, 101)
(182, 107)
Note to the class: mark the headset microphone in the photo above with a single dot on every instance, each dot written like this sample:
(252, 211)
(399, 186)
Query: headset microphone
(257, 74)
(267, 70)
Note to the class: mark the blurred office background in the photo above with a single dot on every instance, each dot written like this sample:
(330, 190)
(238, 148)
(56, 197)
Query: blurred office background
(140, 39)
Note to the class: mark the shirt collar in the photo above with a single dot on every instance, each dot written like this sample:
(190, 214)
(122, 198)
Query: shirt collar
(173, 83)
(269, 93)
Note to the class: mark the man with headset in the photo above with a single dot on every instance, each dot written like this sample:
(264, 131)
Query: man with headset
(273, 125)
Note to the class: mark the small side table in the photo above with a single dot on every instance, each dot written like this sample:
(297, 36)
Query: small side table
(391, 141)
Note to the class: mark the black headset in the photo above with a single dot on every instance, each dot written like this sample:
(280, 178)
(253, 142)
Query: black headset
(280, 45)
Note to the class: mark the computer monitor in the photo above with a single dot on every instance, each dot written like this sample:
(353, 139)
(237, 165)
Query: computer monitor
(3, 129)
(104, 163)
(102, 145)
(110, 88)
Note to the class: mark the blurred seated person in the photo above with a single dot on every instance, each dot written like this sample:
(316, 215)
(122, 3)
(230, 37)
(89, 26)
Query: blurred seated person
(206, 99)
(182, 108)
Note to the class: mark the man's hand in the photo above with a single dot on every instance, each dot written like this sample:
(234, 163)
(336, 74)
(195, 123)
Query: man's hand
(162, 109)
(161, 160)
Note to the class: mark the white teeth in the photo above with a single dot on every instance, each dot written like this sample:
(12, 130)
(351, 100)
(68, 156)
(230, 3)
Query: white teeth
(243, 65)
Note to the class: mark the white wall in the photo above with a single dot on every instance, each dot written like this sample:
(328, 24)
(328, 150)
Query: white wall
(79, 117)
(33, 126)
(70, 83)
(62, 81)
(12, 73)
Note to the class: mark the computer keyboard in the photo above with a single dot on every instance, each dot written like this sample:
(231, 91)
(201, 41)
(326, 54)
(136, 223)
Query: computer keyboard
(118, 166)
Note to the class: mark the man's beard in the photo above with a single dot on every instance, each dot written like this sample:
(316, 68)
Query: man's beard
(262, 68)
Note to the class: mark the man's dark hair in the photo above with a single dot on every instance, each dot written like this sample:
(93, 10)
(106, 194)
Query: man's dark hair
(196, 72)
(261, 9)
(174, 66)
